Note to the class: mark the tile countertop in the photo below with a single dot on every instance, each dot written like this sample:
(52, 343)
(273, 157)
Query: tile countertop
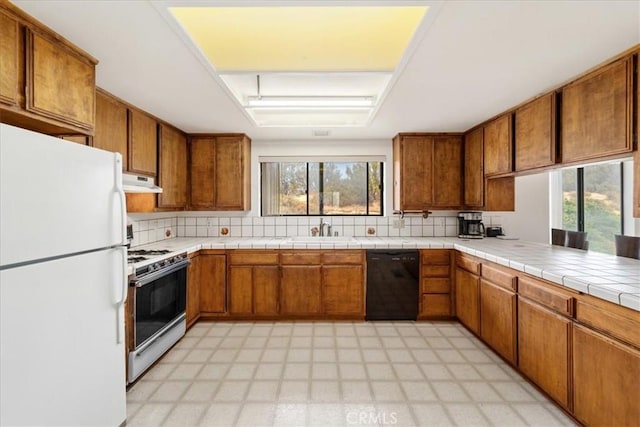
(612, 278)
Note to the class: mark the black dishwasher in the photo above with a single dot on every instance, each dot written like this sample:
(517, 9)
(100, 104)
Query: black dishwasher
(392, 284)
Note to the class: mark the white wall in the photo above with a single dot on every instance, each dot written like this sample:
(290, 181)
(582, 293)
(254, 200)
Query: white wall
(530, 221)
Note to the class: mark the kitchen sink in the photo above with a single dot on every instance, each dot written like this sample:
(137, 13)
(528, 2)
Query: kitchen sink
(321, 239)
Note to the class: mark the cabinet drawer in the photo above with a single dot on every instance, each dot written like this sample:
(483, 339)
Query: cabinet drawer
(611, 321)
(436, 286)
(468, 264)
(340, 256)
(437, 305)
(545, 295)
(499, 276)
(253, 258)
(436, 256)
(300, 258)
(435, 270)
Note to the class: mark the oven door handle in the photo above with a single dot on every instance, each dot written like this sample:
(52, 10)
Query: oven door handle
(145, 280)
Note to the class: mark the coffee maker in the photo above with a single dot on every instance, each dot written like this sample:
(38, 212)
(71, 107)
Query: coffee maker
(470, 225)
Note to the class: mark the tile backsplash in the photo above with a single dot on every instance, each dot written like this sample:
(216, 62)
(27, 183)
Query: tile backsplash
(150, 228)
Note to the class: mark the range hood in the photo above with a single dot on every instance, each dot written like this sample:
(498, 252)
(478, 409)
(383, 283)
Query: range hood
(139, 184)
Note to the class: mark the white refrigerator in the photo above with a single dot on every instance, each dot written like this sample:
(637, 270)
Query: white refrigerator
(63, 278)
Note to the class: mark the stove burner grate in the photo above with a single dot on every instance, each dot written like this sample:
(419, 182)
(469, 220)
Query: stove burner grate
(136, 258)
(148, 252)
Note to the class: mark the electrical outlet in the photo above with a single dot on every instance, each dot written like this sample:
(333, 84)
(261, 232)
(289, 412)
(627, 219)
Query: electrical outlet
(398, 223)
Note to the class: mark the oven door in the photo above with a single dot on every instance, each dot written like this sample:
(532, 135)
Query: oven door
(159, 299)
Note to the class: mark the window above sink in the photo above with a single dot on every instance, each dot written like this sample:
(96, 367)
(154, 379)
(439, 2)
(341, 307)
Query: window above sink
(322, 187)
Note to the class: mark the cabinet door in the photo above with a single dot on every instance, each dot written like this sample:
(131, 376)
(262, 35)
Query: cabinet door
(9, 59)
(240, 285)
(172, 173)
(596, 113)
(536, 133)
(193, 290)
(300, 289)
(605, 380)
(201, 166)
(498, 323)
(213, 283)
(473, 169)
(265, 289)
(143, 141)
(232, 188)
(415, 175)
(468, 299)
(60, 83)
(497, 146)
(500, 194)
(544, 340)
(636, 158)
(636, 179)
(343, 289)
(435, 305)
(111, 126)
(447, 172)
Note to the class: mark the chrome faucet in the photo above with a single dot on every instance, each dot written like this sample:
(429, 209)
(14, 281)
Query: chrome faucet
(322, 224)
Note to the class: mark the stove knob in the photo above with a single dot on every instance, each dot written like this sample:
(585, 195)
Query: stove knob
(156, 266)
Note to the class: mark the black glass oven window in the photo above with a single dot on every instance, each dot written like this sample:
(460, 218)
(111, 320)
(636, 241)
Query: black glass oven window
(158, 303)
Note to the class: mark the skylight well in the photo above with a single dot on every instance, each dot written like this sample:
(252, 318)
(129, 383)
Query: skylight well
(304, 65)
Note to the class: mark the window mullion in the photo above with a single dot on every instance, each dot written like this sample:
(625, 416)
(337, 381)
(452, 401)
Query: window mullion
(580, 198)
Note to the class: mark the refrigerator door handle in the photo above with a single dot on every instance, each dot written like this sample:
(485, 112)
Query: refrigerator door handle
(123, 298)
(123, 200)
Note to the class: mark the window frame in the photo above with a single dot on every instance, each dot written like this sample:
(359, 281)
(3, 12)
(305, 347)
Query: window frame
(321, 188)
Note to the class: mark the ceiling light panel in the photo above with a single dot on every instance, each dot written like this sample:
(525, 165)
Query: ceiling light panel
(301, 38)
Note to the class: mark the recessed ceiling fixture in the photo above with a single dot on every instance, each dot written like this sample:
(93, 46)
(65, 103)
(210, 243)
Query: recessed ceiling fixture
(310, 101)
(317, 65)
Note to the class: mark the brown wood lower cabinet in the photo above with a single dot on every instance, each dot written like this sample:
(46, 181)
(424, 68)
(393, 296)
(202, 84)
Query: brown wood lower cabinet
(301, 290)
(435, 283)
(468, 299)
(498, 319)
(193, 290)
(253, 290)
(343, 289)
(605, 378)
(212, 270)
(544, 345)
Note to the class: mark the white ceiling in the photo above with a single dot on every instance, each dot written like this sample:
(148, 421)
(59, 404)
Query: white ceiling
(473, 60)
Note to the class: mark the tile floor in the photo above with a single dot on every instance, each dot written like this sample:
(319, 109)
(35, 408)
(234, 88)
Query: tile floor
(335, 374)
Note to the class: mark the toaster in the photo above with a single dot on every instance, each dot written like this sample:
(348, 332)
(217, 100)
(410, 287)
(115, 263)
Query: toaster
(493, 231)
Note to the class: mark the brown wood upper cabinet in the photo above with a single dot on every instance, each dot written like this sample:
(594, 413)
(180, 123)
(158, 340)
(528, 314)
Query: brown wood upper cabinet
(636, 183)
(60, 82)
(535, 133)
(143, 143)
(427, 171)
(498, 146)
(9, 59)
(46, 83)
(474, 168)
(111, 125)
(596, 113)
(636, 156)
(220, 172)
(172, 172)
